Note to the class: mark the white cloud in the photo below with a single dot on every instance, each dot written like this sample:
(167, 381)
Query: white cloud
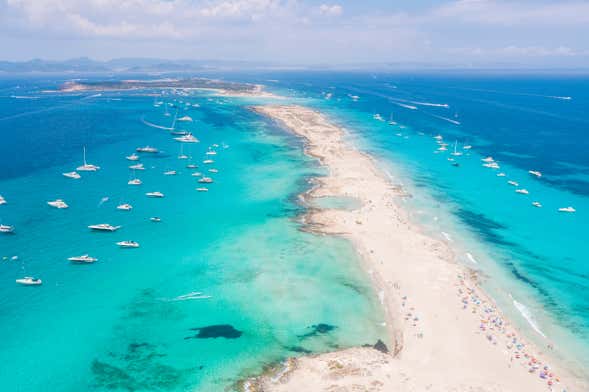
(331, 10)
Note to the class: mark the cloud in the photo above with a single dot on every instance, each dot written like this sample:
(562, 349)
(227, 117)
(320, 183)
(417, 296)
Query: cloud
(518, 51)
(331, 10)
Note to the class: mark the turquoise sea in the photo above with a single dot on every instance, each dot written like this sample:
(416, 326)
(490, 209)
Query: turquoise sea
(234, 260)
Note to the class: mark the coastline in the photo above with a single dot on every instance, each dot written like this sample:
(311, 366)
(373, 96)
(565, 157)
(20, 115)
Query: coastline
(445, 333)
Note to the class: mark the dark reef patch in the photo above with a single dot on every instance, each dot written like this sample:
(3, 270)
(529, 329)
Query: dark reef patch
(298, 349)
(318, 329)
(215, 331)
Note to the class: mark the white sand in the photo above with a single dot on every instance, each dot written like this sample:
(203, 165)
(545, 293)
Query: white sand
(446, 334)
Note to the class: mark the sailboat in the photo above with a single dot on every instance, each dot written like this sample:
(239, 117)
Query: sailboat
(456, 153)
(86, 166)
(391, 122)
(182, 155)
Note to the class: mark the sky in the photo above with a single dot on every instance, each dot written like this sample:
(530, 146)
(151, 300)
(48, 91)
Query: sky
(464, 32)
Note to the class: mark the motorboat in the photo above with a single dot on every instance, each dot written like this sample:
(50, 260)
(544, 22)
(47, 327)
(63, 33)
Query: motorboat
(154, 194)
(535, 173)
(125, 207)
(488, 159)
(512, 183)
(138, 166)
(213, 171)
(211, 152)
(522, 191)
(170, 173)
(467, 147)
(6, 229)
(378, 117)
(196, 174)
(202, 189)
(185, 119)
(29, 281)
(189, 138)
(567, 209)
(536, 204)
(147, 149)
(128, 244)
(59, 204)
(501, 174)
(87, 166)
(206, 180)
(132, 157)
(73, 175)
(192, 166)
(2, 200)
(83, 259)
(104, 227)
(134, 181)
(208, 161)
(155, 219)
(492, 165)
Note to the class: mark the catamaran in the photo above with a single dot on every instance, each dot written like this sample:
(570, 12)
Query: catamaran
(128, 244)
(6, 229)
(189, 138)
(104, 227)
(125, 207)
(59, 204)
(154, 194)
(29, 281)
(148, 149)
(132, 157)
(73, 175)
(82, 259)
(87, 166)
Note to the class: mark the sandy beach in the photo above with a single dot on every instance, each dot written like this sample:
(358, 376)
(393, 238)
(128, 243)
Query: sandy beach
(445, 334)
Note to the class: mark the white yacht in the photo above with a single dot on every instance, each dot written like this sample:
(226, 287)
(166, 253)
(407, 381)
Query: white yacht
(438, 137)
(202, 189)
(206, 180)
(29, 281)
(213, 171)
(378, 117)
(488, 159)
(536, 204)
(6, 229)
(132, 157)
(155, 219)
(2, 200)
(183, 156)
(87, 166)
(148, 149)
(208, 161)
(187, 139)
(185, 119)
(59, 204)
(138, 166)
(196, 174)
(211, 152)
(128, 244)
(492, 165)
(154, 194)
(125, 207)
(73, 175)
(567, 209)
(83, 259)
(522, 191)
(512, 183)
(535, 173)
(467, 147)
(135, 181)
(501, 174)
(104, 227)
(192, 166)
(170, 173)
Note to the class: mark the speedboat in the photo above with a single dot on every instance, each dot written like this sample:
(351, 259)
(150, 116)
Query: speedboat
(512, 183)
(148, 149)
(128, 244)
(170, 173)
(208, 161)
(135, 181)
(73, 175)
(104, 227)
(535, 173)
(2, 200)
(138, 166)
(87, 166)
(125, 207)
(206, 180)
(6, 229)
(29, 281)
(192, 166)
(567, 209)
(59, 204)
(536, 204)
(522, 191)
(154, 194)
(83, 259)
(202, 189)
(186, 139)
(213, 171)
(132, 157)
(155, 219)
